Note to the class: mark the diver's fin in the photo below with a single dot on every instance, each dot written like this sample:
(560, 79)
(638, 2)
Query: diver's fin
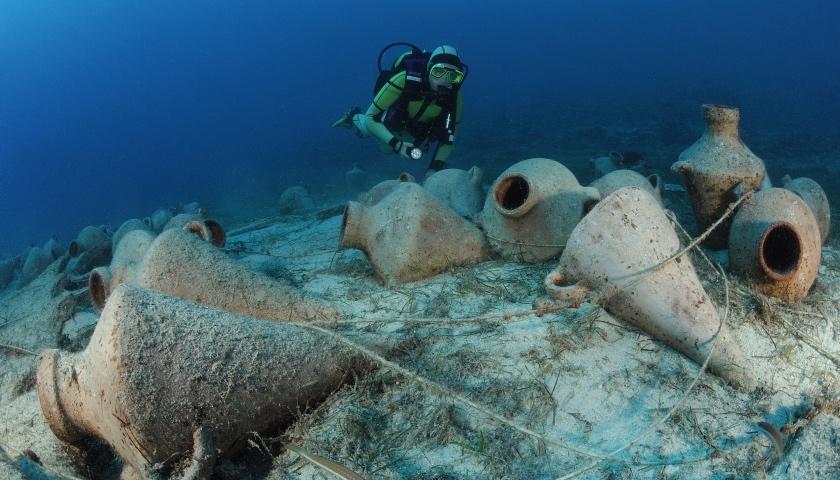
(346, 120)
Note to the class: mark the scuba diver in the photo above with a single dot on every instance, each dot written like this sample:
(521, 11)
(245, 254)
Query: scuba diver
(415, 103)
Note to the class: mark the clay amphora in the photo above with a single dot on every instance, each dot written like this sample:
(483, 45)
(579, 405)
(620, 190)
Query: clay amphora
(610, 256)
(53, 247)
(814, 196)
(160, 218)
(714, 166)
(36, 262)
(294, 199)
(606, 164)
(628, 178)
(775, 243)
(128, 254)
(89, 259)
(159, 369)
(179, 262)
(460, 189)
(382, 189)
(410, 235)
(88, 238)
(128, 226)
(209, 230)
(532, 208)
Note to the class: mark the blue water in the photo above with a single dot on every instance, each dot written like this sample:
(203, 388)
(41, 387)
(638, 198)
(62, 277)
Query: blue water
(111, 109)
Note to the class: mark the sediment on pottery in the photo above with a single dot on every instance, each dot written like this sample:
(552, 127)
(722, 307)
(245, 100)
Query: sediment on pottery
(714, 166)
(128, 226)
(410, 235)
(613, 257)
(775, 243)
(181, 263)
(814, 196)
(460, 189)
(617, 179)
(159, 369)
(382, 189)
(532, 208)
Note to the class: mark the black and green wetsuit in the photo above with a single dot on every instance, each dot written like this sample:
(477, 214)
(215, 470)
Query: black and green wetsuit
(406, 108)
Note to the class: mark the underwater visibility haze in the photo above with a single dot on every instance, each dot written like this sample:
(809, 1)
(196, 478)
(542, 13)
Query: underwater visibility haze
(112, 109)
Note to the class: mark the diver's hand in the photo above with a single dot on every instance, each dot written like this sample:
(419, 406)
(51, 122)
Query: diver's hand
(404, 149)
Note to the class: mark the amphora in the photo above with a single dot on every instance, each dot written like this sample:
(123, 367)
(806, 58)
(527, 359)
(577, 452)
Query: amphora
(714, 166)
(163, 377)
(531, 209)
(775, 243)
(409, 235)
(615, 256)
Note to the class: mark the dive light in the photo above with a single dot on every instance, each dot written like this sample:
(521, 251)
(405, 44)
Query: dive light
(415, 153)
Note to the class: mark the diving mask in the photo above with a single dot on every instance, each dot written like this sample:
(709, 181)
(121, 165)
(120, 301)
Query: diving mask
(446, 72)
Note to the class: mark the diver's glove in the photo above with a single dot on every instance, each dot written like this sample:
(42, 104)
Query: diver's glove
(402, 148)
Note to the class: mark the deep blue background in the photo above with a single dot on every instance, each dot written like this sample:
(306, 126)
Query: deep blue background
(110, 109)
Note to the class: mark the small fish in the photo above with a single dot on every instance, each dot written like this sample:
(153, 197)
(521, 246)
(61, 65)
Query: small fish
(674, 187)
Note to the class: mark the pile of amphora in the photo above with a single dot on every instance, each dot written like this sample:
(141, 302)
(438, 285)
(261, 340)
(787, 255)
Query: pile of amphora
(192, 350)
(616, 244)
(775, 237)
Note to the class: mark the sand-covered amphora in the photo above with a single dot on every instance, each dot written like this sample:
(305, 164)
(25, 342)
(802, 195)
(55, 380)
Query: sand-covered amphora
(615, 257)
(163, 378)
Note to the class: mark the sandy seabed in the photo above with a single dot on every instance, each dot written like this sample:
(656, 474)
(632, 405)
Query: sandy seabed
(501, 396)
